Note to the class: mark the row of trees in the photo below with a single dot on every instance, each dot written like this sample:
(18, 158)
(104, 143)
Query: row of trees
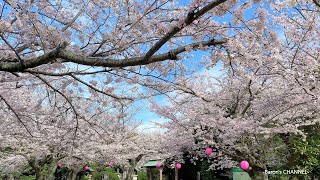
(268, 88)
(71, 73)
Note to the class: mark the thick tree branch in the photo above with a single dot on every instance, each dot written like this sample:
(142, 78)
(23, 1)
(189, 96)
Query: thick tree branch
(317, 2)
(192, 16)
(251, 98)
(44, 59)
(66, 73)
(67, 56)
(171, 55)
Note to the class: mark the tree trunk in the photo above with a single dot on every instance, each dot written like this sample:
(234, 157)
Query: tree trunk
(10, 177)
(39, 175)
(72, 175)
(34, 164)
(129, 173)
(176, 173)
(51, 169)
(50, 161)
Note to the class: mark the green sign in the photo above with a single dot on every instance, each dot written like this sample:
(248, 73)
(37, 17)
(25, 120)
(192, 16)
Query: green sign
(153, 163)
(239, 174)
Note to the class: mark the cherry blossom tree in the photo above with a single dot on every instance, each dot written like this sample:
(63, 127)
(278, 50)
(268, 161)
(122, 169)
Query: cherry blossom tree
(98, 132)
(269, 86)
(50, 134)
(62, 63)
(123, 38)
(235, 124)
(59, 59)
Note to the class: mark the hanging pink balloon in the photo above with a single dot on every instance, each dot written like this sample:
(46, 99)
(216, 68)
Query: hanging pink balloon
(86, 168)
(110, 163)
(59, 164)
(244, 165)
(178, 165)
(209, 151)
(158, 165)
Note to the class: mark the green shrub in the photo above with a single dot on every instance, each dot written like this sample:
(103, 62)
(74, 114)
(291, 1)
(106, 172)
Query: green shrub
(142, 176)
(206, 174)
(112, 174)
(27, 178)
(305, 155)
(302, 155)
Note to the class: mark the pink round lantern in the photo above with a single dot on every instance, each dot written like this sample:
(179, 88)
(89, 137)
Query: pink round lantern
(244, 165)
(59, 164)
(110, 163)
(158, 165)
(86, 168)
(209, 151)
(178, 165)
